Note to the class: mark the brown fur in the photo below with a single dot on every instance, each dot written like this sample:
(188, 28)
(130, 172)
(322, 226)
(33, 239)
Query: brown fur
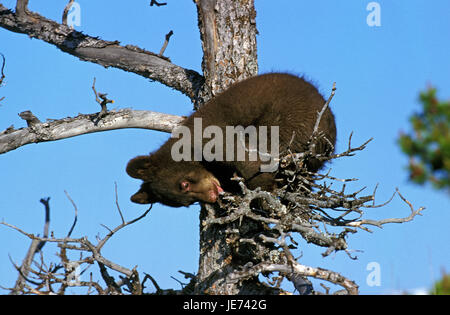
(273, 99)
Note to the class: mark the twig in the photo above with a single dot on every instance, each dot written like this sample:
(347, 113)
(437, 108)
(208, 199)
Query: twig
(2, 74)
(182, 284)
(95, 250)
(166, 42)
(382, 222)
(117, 202)
(315, 133)
(22, 8)
(351, 150)
(103, 103)
(21, 274)
(46, 203)
(158, 4)
(121, 226)
(29, 118)
(187, 275)
(110, 282)
(324, 108)
(76, 214)
(155, 284)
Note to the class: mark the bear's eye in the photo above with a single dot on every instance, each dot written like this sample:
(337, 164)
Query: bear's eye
(184, 186)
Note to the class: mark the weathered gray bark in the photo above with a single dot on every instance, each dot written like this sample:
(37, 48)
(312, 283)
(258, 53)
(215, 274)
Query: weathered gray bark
(11, 138)
(228, 35)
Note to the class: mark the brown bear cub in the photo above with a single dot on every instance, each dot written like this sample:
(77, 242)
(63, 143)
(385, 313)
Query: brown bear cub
(283, 110)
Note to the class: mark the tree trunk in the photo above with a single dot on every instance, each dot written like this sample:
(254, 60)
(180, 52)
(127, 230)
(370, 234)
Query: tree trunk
(228, 33)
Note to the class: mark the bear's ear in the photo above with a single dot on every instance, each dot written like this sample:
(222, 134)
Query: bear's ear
(139, 167)
(143, 196)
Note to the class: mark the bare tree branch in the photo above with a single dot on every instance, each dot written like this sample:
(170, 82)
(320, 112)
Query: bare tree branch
(76, 214)
(12, 139)
(2, 74)
(297, 269)
(106, 53)
(380, 223)
(103, 102)
(46, 203)
(117, 203)
(119, 227)
(35, 246)
(312, 146)
(45, 276)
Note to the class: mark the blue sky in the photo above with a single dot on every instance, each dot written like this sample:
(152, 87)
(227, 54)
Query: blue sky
(379, 72)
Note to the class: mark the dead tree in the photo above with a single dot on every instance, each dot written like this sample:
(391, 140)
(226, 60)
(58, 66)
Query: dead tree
(245, 235)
